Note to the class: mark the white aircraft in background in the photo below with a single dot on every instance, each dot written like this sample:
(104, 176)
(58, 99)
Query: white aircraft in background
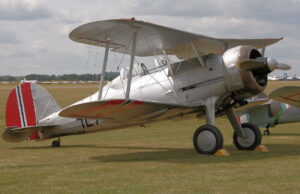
(274, 78)
(212, 77)
(28, 81)
(287, 77)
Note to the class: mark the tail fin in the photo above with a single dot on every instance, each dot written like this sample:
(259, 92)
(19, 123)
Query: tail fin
(27, 104)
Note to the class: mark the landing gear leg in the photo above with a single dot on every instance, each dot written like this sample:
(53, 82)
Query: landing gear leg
(246, 136)
(56, 143)
(208, 139)
(267, 131)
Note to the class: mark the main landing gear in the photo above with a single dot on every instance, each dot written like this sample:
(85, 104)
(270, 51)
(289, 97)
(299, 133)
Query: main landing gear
(208, 139)
(252, 139)
(56, 143)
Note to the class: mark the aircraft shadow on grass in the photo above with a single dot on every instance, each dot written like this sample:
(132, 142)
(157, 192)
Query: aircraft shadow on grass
(286, 134)
(48, 147)
(182, 155)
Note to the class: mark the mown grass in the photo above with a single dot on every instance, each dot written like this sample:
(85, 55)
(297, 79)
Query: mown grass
(156, 159)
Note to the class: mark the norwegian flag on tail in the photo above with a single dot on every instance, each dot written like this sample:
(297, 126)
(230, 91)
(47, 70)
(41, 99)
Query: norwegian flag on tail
(20, 109)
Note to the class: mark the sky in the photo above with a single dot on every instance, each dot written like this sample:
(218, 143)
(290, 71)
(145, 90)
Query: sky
(34, 33)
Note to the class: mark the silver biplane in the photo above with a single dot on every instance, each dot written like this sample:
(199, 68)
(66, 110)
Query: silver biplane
(210, 78)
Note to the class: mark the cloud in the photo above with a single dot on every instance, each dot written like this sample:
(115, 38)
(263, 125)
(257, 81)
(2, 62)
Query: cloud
(22, 10)
(15, 54)
(68, 16)
(40, 28)
(8, 38)
(176, 8)
(39, 45)
(276, 11)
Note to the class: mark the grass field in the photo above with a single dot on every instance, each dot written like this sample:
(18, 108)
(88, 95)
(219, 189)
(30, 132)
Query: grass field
(157, 159)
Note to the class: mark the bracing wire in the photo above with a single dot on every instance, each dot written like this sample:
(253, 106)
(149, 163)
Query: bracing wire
(173, 84)
(118, 68)
(87, 62)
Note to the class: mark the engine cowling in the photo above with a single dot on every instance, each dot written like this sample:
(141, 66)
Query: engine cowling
(245, 83)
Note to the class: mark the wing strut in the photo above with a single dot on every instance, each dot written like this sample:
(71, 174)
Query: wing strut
(168, 62)
(135, 31)
(103, 69)
(198, 54)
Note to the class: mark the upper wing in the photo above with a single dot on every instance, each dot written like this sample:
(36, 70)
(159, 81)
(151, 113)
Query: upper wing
(128, 111)
(152, 39)
(288, 94)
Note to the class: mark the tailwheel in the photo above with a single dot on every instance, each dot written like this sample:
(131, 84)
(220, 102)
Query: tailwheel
(252, 139)
(207, 139)
(267, 132)
(56, 143)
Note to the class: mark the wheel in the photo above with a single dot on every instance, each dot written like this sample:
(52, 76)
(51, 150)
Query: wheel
(267, 132)
(207, 139)
(252, 140)
(56, 144)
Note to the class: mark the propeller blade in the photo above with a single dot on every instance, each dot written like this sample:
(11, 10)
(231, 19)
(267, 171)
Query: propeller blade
(262, 62)
(251, 64)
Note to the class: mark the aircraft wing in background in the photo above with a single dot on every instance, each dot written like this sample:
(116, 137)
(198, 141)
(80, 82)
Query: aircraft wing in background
(288, 94)
(253, 103)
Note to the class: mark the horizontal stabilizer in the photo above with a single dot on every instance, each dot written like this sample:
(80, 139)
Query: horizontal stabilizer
(288, 94)
(17, 134)
(128, 111)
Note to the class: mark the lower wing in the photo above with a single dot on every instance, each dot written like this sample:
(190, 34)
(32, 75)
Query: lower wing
(127, 111)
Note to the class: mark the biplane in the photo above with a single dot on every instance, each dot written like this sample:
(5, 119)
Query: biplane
(210, 77)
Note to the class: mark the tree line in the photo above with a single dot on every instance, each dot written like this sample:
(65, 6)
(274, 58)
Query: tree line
(65, 77)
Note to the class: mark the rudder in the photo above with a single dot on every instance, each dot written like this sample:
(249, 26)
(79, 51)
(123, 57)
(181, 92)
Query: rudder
(20, 110)
(27, 104)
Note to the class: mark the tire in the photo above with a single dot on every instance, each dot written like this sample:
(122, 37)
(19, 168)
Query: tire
(207, 139)
(252, 140)
(55, 144)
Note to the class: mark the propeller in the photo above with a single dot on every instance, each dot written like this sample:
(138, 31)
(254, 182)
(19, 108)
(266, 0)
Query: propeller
(273, 64)
(262, 62)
